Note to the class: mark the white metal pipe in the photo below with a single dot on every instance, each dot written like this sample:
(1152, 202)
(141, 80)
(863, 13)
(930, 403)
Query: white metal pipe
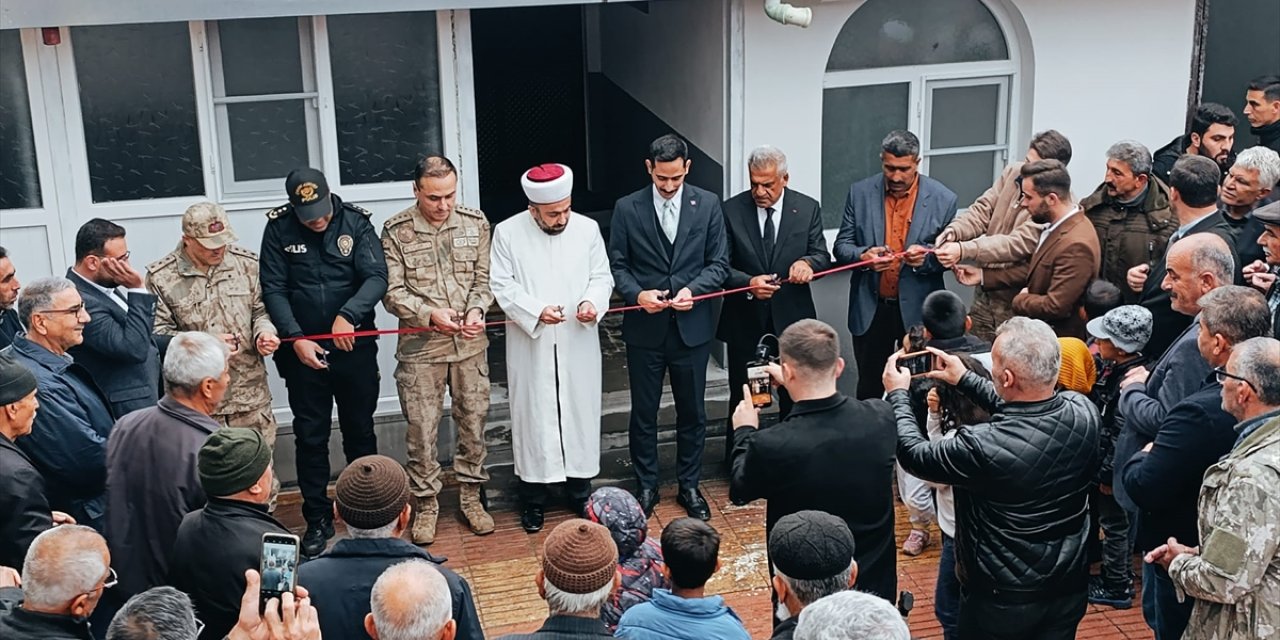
(783, 13)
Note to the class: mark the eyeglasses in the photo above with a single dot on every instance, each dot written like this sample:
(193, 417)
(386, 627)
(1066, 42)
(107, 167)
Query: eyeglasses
(72, 310)
(111, 581)
(124, 257)
(1222, 374)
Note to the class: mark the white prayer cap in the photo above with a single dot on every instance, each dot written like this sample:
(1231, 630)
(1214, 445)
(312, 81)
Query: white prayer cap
(547, 183)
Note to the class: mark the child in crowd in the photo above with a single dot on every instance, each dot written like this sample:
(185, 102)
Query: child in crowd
(1120, 336)
(639, 556)
(691, 551)
(1078, 371)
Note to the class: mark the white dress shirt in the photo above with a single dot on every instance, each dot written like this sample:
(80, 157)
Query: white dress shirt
(777, 218)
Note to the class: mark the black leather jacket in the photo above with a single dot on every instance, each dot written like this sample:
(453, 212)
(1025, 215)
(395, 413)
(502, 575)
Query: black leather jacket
(1021, 488)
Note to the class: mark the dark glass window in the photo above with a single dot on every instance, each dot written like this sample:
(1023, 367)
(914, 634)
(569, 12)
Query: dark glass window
(19, 175)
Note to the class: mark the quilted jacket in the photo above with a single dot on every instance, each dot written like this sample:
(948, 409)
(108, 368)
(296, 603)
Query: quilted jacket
(1021, 488)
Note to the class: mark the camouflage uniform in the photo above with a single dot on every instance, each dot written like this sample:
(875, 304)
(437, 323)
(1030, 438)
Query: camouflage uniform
(1235, 579)
(227, 299)
(429, 268)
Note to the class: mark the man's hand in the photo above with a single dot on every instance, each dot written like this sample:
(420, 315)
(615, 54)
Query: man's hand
(948, 254)
(288, 618)
(1136, 277)
(1134, 376)
(342, 325)
(801, 272)
(1106, 490)
(775, 373)
(1164, 554)
(968, 275)
(122, 273)
(551, 315)
(266, 343)
(915, 255)
(746, 414)
(9, 577)
(59, 518)
(1147, 449)
(683, 300)
(1259, 276)
(762, 286)
(950, 368)
(232, 340)
(895, 377)
(445, 321)
(310, 354)
(586, 312)
(652, 300)
(948, 235)
(473, 324)
(876, 253)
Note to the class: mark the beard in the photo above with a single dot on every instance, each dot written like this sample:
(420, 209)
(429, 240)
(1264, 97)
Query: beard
(1041, 215)
(553, 231)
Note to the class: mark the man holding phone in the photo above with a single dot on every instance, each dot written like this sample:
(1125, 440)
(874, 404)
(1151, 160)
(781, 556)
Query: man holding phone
(815, 460)
(215, 545)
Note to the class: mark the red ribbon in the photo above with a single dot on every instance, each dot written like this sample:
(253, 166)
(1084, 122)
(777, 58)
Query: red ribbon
(706, 296)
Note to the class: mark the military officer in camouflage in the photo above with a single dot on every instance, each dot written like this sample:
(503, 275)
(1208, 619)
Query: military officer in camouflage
(438, 278)
(322, 273)
(209, 284)
(1234, 575)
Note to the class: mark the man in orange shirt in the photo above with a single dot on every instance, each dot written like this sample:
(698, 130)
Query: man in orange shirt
(894, 211)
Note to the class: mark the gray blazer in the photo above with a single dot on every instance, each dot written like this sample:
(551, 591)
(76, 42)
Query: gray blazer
(863, 227)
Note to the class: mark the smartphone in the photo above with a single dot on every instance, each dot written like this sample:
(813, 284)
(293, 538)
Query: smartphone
(279, 567)
(918, 363)
(761, 386)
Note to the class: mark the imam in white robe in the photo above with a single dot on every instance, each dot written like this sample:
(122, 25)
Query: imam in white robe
(553, 371)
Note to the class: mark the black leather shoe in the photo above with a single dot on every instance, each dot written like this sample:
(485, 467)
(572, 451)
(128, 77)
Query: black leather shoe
(694, 504)
(531, 517)
(648, 499)
(579, 507)
(327, 525)
(315, 540)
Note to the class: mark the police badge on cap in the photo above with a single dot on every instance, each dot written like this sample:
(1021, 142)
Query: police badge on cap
(308, 192)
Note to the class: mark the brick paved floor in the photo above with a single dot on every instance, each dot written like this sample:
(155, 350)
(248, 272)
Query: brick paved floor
(501, 566)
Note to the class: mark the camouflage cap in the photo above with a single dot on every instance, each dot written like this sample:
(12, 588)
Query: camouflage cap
(207, 223)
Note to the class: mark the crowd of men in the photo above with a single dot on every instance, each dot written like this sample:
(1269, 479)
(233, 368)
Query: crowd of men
(1114, 389)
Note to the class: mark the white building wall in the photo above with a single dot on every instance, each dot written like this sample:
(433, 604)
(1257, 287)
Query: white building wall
(671, 60)
(1102, 71)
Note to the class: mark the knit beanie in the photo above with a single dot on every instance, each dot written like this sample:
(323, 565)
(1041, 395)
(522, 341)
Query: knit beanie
(231, 460)
(811, 545)
(16, 380)
(1078, 372)
(579, 556)
(371, 492)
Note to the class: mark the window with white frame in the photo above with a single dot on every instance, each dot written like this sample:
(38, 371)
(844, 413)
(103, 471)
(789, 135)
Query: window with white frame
(265, 102)
(19, 174)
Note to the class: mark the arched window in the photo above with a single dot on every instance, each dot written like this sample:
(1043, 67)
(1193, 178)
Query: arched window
(944, 69)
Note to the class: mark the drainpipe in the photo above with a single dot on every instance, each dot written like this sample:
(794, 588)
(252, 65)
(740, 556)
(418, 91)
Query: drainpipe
(785, 14)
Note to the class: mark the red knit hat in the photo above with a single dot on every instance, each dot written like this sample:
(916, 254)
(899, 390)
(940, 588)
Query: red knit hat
(579, 556)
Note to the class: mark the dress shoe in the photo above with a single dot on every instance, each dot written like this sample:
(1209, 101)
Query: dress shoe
(531, 517)
(317, 537)
(648, 499)
(579, 507)
(694, 504)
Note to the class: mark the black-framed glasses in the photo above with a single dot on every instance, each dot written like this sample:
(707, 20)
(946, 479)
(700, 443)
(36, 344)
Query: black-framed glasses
(1222, 374)
(72, 310)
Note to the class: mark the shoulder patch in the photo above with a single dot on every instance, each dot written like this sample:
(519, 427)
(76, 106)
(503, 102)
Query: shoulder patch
(169, 259)
(243, 252)
(358, 209)
(468, 211)
(278, 211)
(399, 218)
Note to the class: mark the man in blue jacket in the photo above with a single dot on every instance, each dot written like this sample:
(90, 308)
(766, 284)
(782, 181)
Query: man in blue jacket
(691, 551)
(68, 443)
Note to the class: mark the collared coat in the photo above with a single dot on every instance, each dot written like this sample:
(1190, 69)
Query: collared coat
(1056, 277)
(68, 442)
(152, 483)
(1130, 235)
(1235, 579)
(119, 349)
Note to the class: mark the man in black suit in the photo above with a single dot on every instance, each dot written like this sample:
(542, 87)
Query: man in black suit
(9, 286)
(667, 245)
(833, 454)
(773, 233)
(119, 349)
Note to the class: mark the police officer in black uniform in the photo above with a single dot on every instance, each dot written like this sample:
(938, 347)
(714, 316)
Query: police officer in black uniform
(322, 272)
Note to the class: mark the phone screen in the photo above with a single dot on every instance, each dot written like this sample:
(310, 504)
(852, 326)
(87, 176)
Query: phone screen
(918, 363)
(279, 564)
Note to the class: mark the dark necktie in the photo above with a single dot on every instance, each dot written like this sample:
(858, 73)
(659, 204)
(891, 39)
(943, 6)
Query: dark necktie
(768, 236)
